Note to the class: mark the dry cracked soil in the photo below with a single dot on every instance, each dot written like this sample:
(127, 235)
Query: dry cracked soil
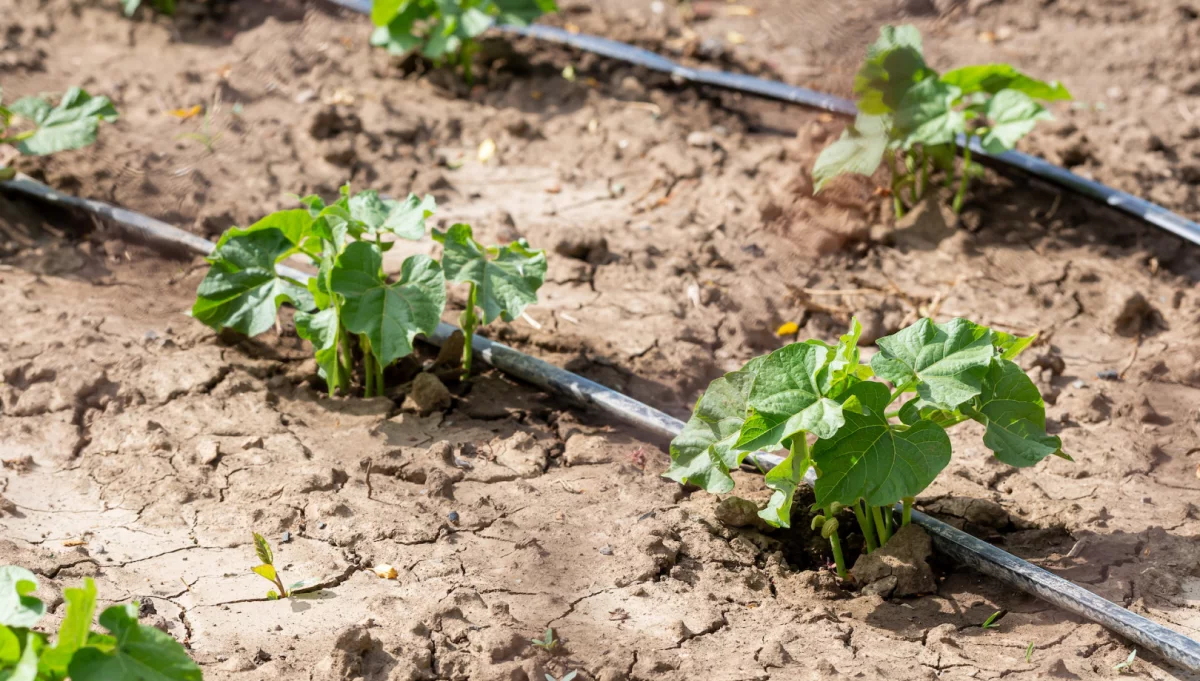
(141, 449)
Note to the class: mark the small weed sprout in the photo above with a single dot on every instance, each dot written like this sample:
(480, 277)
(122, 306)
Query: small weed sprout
(1126, 665)
(267, 569)
(547, 642)
(1029, 653)
(993, 621)
(36, 127)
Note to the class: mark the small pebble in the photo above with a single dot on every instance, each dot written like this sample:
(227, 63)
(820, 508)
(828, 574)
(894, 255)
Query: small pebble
(462, 463)
(287, 537)
(606, 550)
(321, 525)
(1078, 383)
(453, 516)
(99, 549)
(150, 335)
(1108, 375)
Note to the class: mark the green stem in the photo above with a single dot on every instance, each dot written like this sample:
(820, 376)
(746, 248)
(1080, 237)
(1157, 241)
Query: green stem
(469, 323)
(962, 184)
(345, 358)
(880, 526)
(368, 367)
(864, 524)
(907, 515)
(19, 137)
(910, 163)
(889, 519)
(900, 391)
(835, 544)
(897, 202)
(925, 163)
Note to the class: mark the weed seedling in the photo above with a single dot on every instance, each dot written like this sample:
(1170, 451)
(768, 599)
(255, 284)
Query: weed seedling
(569, 676)
(502, 281)
(1126, 665)
(993, 621)
(36, 127)
(547, 642)
(445, 30)
(913, 118)
(267, 569)
(129, 650)
(871, 445)
(1029, 653)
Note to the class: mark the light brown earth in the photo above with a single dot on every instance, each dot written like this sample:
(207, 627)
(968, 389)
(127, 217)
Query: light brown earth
(141, 449)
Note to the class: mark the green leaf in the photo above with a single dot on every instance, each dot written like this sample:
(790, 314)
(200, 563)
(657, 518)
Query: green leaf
(946, 361)
(320, 329)
(1012, 409)
(522, 12)
(130, 6)
(17, 608)
(858, 151)
(1011, 115)
(10, 646)
(74, 631)
(397, 41)
(70, 125)
(242, 290)
(703, 453)
(506, 279)
(992, 78)
(142, 653)
(272, 595)
(390, 315)
(893, 64)
(917, 409)
(783, 480)
(872, 459)
(295, 225)
(844, 369)
(29, 646)
(927, 115)
(786, 398)
(267, 572)
(34, 109)
(1009, 345)
(406, 219)
(383, 11)
(263, 550)
(473, 22)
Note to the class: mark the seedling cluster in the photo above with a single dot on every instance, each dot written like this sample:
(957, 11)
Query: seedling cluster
(445, 30)
(351, 310)
(36, 127)
(129, 650)
(872, 446)
(913, 118)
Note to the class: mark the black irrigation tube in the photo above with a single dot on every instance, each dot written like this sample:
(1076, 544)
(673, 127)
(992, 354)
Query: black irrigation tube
(1123, 201)
(973, 552)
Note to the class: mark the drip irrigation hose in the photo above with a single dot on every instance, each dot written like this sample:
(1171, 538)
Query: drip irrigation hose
(958, 545)
(1122, 201)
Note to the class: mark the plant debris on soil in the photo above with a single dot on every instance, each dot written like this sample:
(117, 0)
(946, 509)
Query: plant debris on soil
(141, 449)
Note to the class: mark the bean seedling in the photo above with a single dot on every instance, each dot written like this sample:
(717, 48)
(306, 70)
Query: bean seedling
(502, 281)
(445, 30)
(350, 302)
(868, 455)
(269, 572)
(36, 127)
(129, 650)
(913, 117)
(547, 642)
(1126, 664)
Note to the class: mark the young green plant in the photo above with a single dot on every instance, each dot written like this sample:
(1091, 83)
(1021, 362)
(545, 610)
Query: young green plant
(445, 30)
(166, 7)
(913, 118)
(872, 446)
(502, 281)
(129, 650)
(36, 127)
(547, 642)
(269, 572)
(351, 303)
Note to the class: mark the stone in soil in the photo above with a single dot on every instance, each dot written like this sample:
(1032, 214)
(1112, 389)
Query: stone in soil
(900, 568)
(427, 395)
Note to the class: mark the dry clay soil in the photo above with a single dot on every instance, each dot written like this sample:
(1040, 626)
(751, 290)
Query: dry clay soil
(141, 449)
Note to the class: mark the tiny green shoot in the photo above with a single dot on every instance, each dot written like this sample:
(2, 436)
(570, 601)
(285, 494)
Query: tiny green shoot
(205, 135)
(993, 621)
(1126, 664)
(502, 281)
(267, 568)
(166, 7)
(1029, 653)
(36, 127)
(913, 118)
(547, 642)
(569, 676)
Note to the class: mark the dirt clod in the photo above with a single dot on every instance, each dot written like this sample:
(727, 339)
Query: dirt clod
(900, 568)
(1130, 313)
(428, 394)
(737, 512)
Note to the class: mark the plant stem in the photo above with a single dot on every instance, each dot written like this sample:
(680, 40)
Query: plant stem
(925, 163)
(469, 323)
(897, 202)
(880, 526)
(345, 358)
(368, 367)
(962, 184)
(835, 544)
(900, 391)
(864, 524)
(907, 515)
(910, 163)
(889, 519)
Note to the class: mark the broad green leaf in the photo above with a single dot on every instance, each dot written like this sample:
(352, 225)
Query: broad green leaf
(142, 653)
(74, 631)
(70, 125)
(872, 459)
(383, 11)
(242, 291)
(927, 114)
(17, 608)
(783, 480)
(917, 409)
(267, 572)
(1012, 409)
(786, 398)
(522, 12)
(893, 64)
(390, 315)
(294, 224)
(263, 550)
(506, 279)
(406, 219)
(946, 361)
(992, 78)
(1009, 345)
(29, 646)
(34, 109)
(844, 369)
(1011, 115)
(320, 329)
(858, 151)
(10, 646)
(473, 22)
(703, 453)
